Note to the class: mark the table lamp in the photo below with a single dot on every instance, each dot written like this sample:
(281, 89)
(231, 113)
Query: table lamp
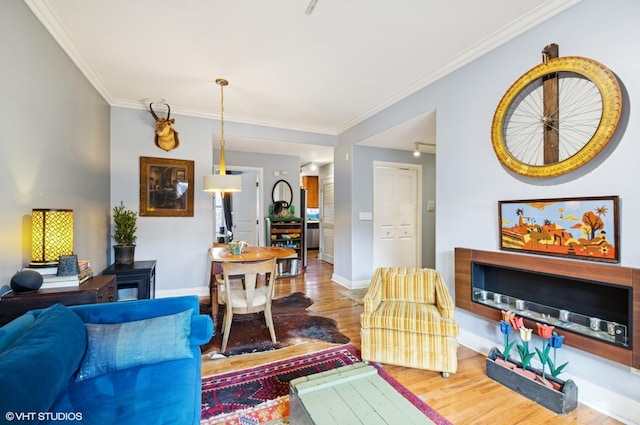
(52, 235)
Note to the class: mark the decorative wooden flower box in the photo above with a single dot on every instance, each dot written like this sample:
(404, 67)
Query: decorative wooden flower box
(559, 401)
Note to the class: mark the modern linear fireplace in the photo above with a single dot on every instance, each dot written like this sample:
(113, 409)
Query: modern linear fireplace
(596, 306)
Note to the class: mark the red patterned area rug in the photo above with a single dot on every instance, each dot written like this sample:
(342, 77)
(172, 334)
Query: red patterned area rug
(260, 395)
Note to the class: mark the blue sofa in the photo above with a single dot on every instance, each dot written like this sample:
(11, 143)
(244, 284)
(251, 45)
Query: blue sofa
(135, 362)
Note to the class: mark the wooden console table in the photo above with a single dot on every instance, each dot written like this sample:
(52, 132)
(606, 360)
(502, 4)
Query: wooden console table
(99, 289)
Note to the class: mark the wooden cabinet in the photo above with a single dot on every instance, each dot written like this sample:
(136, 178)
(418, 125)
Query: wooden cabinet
(136, 281)
(99, 289)
(311, 184)
(287, 234)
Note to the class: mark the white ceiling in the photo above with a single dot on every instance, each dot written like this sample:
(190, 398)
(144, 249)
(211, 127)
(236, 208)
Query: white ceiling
(322, 72)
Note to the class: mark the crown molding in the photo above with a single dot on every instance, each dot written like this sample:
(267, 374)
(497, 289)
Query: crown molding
(52, 23)
(144, 105)
(543, 12)
(540, 14)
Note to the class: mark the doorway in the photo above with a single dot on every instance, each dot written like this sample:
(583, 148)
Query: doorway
(326, 220)
(246, 206)
(397, 219)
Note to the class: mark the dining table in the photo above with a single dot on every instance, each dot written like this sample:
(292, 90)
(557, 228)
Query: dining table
(220, 253)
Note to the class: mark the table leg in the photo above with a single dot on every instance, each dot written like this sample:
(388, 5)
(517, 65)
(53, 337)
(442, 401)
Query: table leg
(213, 293)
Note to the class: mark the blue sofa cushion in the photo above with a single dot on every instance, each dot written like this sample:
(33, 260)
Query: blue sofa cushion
(14, 329)
(158, 394)
(119, 346)
(41, 361)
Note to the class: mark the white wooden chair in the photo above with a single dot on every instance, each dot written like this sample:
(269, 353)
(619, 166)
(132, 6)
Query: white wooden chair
(253, 298)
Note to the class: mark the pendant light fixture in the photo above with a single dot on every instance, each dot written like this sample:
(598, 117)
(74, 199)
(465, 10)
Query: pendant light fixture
(222, 182)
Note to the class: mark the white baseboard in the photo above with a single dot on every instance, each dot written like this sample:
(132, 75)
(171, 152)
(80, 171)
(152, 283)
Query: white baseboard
(350, 284)
(600, 399)
(201, 291)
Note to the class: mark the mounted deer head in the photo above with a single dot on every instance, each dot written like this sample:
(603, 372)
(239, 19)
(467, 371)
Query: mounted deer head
(166, 137)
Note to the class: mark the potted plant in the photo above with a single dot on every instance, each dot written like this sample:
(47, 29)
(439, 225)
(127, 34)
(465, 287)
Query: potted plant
(124, 234)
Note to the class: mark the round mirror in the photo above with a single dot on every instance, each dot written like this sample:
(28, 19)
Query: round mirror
(282, 192)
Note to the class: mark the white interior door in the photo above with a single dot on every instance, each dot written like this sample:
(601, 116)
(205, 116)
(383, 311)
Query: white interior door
(326, 220)
(396, 215)
(246, 209)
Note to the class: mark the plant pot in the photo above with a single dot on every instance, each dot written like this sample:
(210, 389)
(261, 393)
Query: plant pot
(559, 401)
(124, 254)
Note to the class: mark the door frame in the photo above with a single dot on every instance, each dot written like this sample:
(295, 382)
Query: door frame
(260, 207)
(321, 226)
(418, 208)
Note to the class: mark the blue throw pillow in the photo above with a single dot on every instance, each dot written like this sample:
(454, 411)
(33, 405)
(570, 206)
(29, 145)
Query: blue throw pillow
(38, 365)
(118, 346)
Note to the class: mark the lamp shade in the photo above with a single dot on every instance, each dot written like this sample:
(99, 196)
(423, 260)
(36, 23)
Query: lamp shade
(222, 183)
(52, 235)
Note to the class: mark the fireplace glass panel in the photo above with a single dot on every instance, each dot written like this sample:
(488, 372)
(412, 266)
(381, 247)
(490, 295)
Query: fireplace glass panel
(589, 308)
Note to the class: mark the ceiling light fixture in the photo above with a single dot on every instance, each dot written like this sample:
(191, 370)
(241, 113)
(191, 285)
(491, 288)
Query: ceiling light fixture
(222, 182)
(417, 151)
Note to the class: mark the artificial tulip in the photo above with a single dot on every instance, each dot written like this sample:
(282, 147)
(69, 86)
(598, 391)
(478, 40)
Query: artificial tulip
(523, 350)
(517, 323)
(555, 341)
(505, 328)
(507, 316)
(551, 340)
(525, 334)
(545, 330)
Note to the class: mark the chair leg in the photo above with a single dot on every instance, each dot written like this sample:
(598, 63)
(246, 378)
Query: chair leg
(269, 319)
(226, 325)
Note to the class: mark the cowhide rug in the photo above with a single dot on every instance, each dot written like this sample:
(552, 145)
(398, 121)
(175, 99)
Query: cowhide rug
(292, 322)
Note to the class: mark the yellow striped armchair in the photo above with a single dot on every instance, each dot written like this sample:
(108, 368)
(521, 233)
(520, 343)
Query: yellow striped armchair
(408, 320)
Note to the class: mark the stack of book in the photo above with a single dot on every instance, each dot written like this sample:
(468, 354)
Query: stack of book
(50, 278)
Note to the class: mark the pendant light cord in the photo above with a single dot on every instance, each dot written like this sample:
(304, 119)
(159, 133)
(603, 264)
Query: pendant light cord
(221, 115)
(222, 82)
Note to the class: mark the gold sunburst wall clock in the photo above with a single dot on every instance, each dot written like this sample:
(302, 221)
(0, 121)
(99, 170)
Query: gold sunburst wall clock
(557, 116)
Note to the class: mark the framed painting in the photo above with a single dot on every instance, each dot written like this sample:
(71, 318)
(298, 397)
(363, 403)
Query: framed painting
(166, 187)
(580, 228)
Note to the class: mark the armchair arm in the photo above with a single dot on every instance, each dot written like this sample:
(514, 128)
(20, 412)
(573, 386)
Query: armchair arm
(444, 302)
(374, 295)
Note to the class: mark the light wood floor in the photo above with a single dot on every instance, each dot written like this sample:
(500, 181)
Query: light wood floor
(467, 397)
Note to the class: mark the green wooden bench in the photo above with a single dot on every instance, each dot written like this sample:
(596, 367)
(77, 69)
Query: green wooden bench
(349, 395)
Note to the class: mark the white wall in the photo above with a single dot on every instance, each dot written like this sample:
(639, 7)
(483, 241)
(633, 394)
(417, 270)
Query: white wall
(180, 244)
(362, 233)
(54, 143)
(470, 180)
